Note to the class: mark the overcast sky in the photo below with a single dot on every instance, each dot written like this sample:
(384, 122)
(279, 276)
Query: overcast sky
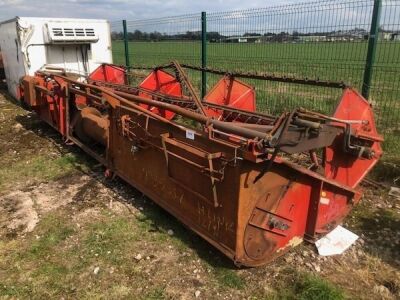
(124, 9)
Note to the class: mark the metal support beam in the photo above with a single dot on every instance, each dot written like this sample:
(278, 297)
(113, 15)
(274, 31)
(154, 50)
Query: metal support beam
(372, 45)
(126, 44)
(203, 53)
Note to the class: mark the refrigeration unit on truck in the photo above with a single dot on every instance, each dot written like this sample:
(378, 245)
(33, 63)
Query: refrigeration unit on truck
(76, 46)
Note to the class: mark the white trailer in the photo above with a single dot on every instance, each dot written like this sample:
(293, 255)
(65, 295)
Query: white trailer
(72, 45)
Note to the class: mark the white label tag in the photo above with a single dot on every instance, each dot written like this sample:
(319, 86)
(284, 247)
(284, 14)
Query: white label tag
(190, 134)
(324, 201)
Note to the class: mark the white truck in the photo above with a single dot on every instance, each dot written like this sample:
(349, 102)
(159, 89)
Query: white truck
(69, 45)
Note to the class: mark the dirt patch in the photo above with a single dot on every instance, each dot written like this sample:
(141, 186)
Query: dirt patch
(18, 213)
(20, 210)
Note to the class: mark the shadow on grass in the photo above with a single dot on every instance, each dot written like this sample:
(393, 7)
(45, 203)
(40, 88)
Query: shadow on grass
(380, 233)
(32, 123)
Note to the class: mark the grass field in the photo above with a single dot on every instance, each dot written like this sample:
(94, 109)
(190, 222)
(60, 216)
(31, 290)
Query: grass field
(344, 61)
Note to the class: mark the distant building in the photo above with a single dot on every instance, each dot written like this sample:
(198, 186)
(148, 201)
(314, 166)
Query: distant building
(386, 36)
(242, 39)
(312, 38)
(352, 35)
(396, 37)
(389, 36)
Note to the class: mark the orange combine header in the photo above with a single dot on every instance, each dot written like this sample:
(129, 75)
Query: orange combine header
(224, 170)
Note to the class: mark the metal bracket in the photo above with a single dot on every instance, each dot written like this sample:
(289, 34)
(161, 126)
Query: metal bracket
(215, 175)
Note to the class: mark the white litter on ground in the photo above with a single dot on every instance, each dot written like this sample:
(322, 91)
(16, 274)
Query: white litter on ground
(394, 192)
(336, 242)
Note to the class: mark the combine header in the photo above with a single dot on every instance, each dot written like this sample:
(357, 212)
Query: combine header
(230, 174)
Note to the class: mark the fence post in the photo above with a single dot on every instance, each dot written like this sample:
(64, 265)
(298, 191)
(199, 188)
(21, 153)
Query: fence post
(372, 45)
(126, 43)
(203, 53)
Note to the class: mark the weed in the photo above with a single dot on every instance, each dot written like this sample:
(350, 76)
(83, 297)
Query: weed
(155, 294)
(294, 285)
(310, 287)
(120, 291)
(110, 237)
(52, 230)
(229, 278)
(14, 291)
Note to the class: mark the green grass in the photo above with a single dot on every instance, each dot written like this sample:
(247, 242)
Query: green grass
(229, 278)
(310, 287)
(155, 294)
(295, 285)
(46, 264)
(111, 236)
(57, 260)
(341, 61)
(55, 230)
(37, 261)
(41, 168)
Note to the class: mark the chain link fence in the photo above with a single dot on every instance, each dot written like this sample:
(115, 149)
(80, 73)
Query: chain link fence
(354, 41)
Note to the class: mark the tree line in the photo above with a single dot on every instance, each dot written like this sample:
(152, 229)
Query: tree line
(214, 36)
(158, 36)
